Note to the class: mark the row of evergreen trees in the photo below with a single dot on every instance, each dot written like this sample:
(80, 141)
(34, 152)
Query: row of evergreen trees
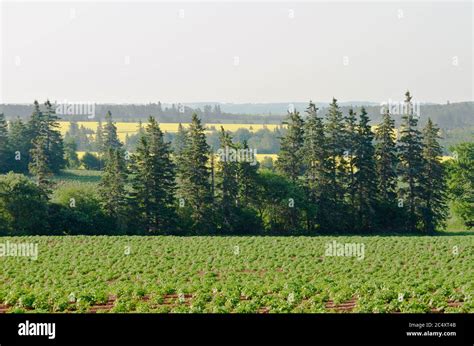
(34, 147)
(342, 177)
(362, 180)
(185, 190)
(334, 175)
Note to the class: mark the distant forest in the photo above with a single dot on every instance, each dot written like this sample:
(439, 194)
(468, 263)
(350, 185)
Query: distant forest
(447, 116)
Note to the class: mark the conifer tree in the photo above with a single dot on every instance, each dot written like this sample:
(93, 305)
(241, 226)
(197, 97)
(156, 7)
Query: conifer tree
(180, 141)
(433, 181)
(365, 176)
(36, 121)
(352, 141)
(153, 180)
(336, 165)
(247, 177)
(39, 165)
(112, 189)
(386, 159)
(34, 127)
(411, 164)
(316, 173)
(227, 182)
(54, 141)
(109, 135)
(194, 175)
(290, 158)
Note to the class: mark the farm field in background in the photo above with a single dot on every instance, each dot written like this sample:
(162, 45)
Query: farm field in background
(239, 274)
(260, 157)
(130, 128)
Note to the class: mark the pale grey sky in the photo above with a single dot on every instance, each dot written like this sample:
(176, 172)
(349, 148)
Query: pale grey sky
(130, 52)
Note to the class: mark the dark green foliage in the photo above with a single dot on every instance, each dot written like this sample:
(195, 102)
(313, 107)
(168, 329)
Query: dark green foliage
(39, 165)
(112, 189)
(54, 141)
(23, 206)
(91, 161)
(332, 177)
(352, 145)
(227, 184)
(236, 176)
(365, 176)
(411, 165)
(20, 144)
(461, 182)
(386, 159)
(433, 181)
(76, 210)
(153, 181)
(46, 155)
(316, 174)
(388, 214)
(109, 135)
(290, 159)
(279, 200)
(337, 152)
(194, 177)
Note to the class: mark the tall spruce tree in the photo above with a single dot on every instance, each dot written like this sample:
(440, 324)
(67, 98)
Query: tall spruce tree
(34, 128)
(153, 180)
(227, 182)
(54, 141)
(411, 164)
(336, 148)
(365, 176)
(36, 121)
(247, 177)
(386, 159)
(112, 189)
(316, 173)
(194, 176)
(290, 158)
(109, 135)
(39, 165)
(433, 181)
(352, 142)
(5, 155)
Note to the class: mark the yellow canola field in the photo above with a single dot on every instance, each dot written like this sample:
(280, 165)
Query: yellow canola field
(124, 128)
(260, 157)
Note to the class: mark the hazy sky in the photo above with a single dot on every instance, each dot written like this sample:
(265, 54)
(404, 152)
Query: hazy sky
(129, 52)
